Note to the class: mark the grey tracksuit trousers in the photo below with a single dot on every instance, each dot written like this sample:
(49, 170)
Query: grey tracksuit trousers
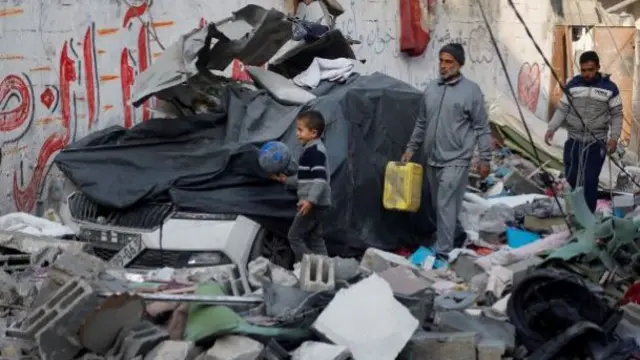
(447, 186)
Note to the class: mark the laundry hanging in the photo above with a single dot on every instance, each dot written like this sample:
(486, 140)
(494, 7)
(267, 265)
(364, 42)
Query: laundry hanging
(413, 38)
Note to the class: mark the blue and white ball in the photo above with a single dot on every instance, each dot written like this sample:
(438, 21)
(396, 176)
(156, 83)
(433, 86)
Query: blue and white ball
(274, 157)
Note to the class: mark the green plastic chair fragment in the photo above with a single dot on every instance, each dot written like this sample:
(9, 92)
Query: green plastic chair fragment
(210, 322)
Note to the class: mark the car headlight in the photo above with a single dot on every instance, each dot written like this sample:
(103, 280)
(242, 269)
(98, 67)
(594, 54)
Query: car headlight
(208, 259)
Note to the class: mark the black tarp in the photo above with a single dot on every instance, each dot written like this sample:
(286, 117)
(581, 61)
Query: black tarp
(208, 163)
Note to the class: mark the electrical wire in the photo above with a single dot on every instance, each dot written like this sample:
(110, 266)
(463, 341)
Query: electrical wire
(547, 178)
(564, 89)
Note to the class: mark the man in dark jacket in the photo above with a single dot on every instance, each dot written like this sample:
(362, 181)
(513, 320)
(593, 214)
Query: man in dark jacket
(597, 99)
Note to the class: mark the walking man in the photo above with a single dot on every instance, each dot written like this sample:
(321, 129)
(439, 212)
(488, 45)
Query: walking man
(451, 122)
(597, 99)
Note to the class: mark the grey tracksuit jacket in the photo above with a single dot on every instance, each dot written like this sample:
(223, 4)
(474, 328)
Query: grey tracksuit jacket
(598, 103)
(452, 120)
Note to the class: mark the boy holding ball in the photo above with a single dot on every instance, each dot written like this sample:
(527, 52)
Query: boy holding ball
(312, 185)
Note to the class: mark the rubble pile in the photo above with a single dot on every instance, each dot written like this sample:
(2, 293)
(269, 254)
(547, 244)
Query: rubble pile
(568, 294)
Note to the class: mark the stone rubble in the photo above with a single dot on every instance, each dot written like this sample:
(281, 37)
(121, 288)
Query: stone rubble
(63, 303)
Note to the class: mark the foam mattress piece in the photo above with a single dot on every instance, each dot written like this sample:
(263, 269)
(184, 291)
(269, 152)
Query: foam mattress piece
(368, 320)
(280, 88)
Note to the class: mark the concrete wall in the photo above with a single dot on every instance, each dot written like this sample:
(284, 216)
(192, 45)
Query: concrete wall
(66, 67)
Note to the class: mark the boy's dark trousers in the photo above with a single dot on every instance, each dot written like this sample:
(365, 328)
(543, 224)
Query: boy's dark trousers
(583, 161)
(305, 233)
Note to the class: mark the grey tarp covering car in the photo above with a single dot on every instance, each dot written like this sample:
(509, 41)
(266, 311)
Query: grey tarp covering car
(208, 163)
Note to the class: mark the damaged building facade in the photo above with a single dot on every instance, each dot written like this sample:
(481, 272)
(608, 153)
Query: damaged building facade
(64, 76)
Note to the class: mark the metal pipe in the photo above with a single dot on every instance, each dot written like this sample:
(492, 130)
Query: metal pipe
(621, 5)
(192, 298)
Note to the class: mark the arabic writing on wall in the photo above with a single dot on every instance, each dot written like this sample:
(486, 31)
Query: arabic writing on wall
(60, 81)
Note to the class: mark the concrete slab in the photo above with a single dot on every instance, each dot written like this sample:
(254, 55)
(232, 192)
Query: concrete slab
(377, 260)
(368, 320)
(404, 281)
(313, 350)
(233, 347)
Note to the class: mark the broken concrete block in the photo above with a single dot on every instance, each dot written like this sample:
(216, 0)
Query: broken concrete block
(232, 281)
(233, 347)
(404, 281)
(174, 350)
(261, 269)
(490, 349)
(443, 346)
(317, 273)
(67, 266)
(313, 350)
(377, 260)
(75, 316)
(136, 341)
(81, 265)
(368, 320)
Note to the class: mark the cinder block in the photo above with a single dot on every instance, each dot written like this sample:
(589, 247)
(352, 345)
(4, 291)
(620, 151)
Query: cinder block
(490, 349)
(317, 273)
(174, 350)
(522, 268)
(377, 260)
(233, 347)
(443, 346)
(66, 266)
(232, 280)
(368, 320)
(137, 341)
(312, 350)
(75, 317)
(54, 325)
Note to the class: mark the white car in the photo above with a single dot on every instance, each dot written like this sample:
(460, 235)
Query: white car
(155, 235)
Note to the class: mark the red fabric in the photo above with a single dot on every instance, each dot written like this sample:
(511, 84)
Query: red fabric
(413, 38)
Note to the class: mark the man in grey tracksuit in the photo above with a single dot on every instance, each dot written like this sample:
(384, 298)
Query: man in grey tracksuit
(452, 120)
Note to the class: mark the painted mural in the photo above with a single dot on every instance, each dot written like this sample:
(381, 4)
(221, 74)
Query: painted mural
(68, 68)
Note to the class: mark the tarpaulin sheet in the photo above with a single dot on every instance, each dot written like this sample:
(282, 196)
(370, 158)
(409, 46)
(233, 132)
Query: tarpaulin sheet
(208, 163)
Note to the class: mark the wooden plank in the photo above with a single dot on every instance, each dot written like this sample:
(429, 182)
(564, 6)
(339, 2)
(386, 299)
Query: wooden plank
(617, 57)
(561, 62)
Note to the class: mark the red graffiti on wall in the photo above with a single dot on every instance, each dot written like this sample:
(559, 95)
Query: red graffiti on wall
(529, 85)
(134, 12)
(91, 73)
(14, 87)
(25, 197)
(128, 70)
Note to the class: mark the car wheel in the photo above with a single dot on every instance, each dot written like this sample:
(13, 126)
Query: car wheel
(273, 247)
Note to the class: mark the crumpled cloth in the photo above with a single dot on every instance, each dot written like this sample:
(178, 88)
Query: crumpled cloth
(337, 70)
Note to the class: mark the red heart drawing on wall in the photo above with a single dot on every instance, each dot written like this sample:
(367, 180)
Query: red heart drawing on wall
(529, 85)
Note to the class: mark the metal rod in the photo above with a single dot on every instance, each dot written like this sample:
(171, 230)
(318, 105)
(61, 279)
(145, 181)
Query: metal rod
(621, 5)
(191, 298)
